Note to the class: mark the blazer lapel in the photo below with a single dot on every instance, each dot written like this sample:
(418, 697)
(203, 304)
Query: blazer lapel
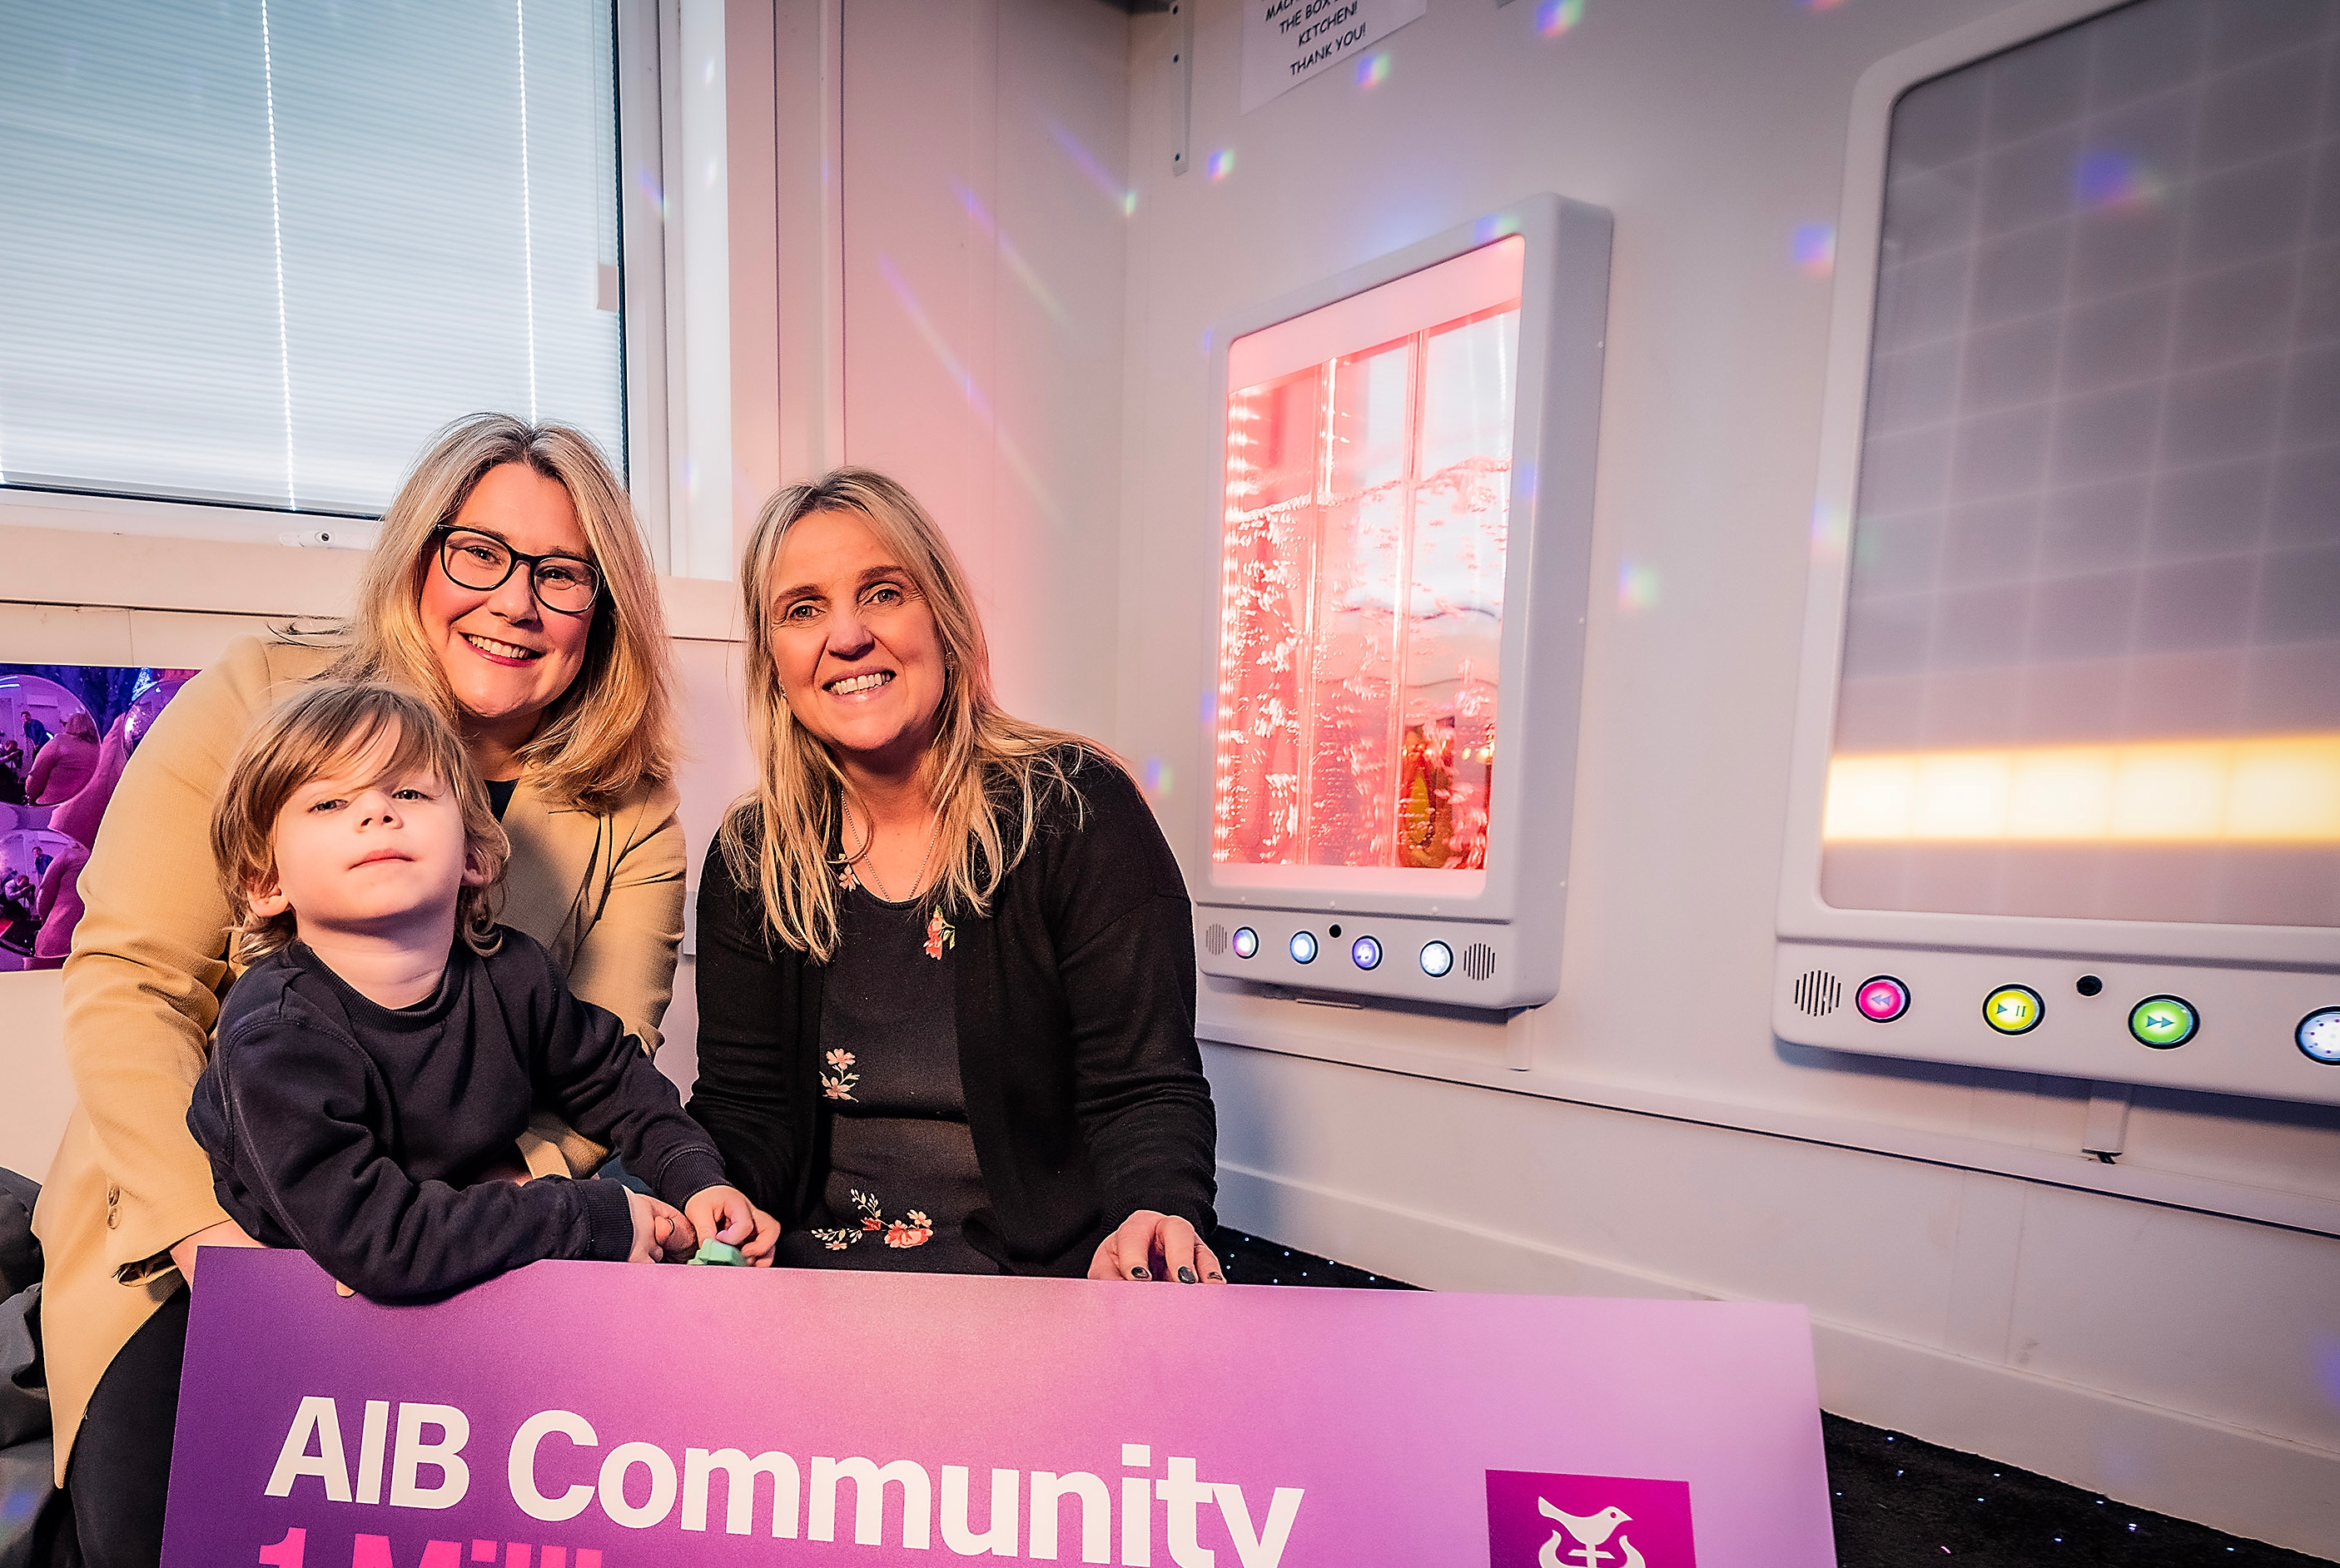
(546, 886)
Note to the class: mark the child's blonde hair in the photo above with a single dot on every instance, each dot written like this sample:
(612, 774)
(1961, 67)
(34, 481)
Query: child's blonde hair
(326, 724)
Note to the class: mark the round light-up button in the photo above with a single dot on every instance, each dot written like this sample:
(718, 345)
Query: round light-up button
(2013, 1010)
(2165, 1023)
(2319, 1035)
(1304, 947)
(1365, 953)
(1437, 957)
(1881, 998)
(1246, 942)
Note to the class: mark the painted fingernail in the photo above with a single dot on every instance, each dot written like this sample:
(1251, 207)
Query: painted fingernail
(1186, 1275)
(1140, 1272)
(1217, 1276)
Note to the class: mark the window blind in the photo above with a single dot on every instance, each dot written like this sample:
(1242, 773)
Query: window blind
(257, 252)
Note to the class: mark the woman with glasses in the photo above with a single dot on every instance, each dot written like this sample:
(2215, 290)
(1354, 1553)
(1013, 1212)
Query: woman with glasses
(945, 963)
(510, 587)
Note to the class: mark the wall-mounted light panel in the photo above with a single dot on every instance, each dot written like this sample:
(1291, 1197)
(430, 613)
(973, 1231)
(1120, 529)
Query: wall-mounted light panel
(2067, 792)
(1405, 473)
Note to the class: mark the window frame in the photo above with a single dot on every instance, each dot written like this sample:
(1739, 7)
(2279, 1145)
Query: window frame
(643, 112)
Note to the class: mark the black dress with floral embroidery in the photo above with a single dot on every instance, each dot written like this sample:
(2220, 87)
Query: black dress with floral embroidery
(902, 1175)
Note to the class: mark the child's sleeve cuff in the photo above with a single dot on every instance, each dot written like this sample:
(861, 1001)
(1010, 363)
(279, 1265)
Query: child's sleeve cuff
(609, 1221)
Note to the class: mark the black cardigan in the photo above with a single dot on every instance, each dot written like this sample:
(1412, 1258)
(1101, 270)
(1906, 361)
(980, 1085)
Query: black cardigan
(1075, 1003)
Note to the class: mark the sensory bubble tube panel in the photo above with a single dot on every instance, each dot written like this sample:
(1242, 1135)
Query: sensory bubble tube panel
(1362, 600)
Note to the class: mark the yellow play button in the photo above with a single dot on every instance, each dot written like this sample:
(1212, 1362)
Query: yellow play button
(2013, 1010)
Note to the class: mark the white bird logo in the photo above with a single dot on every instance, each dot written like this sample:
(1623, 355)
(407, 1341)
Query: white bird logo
(1590, 1535)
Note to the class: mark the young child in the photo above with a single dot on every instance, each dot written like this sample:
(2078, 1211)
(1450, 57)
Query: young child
(376, 1062)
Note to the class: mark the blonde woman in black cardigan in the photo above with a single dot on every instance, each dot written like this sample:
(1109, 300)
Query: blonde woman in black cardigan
(945, 963)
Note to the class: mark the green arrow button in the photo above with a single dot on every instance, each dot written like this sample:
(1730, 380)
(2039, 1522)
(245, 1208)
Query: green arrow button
(2163, 1022)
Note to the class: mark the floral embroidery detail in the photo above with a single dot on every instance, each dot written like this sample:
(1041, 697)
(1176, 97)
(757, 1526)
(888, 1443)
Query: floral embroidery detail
(939, 935)
(915, 1230)
(835, 1080)
(845, 879)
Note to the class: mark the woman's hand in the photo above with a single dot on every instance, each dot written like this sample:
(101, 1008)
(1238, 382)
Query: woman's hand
(1151, 1246)
(725, 1214)
(227, 1233)
(661, 1233)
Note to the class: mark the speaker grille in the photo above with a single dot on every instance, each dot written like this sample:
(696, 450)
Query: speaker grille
(1479, 961)
(1214, 937)
(1818, 992)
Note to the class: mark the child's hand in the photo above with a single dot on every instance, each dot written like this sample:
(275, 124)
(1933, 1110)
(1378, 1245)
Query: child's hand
(662, 1233)
(725, 1214)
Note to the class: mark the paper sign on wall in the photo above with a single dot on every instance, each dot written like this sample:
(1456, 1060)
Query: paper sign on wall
(1286, 41)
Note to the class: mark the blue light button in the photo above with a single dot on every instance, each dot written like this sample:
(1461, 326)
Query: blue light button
(2319, 1035)
(1304, 947)
(1437, 957)
(1365, 953)
(1246, 942)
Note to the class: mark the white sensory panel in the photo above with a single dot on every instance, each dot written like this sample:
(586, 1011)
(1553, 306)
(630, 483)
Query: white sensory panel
(2091, 662)
(1403, 538)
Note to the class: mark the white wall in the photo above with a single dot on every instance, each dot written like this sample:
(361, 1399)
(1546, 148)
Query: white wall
(982, 275)
(1975, 1279)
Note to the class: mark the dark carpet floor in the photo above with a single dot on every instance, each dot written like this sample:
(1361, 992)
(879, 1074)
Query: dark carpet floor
(1901, 1502)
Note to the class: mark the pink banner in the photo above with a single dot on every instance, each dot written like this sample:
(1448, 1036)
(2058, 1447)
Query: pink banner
(598, 1415)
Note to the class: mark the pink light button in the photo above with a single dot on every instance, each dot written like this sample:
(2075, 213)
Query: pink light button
(1881, 998)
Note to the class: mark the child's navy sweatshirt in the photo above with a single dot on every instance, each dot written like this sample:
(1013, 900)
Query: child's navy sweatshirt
(364, 1135)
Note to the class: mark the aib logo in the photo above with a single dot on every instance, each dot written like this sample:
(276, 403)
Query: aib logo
(1538, 1520)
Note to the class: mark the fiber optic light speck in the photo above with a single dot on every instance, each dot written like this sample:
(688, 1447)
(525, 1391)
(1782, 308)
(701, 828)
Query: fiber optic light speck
(1554, 17)
(2117, 181)
(1815, 249)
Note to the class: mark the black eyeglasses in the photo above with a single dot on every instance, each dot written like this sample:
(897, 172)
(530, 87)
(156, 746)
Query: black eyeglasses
(483, 563)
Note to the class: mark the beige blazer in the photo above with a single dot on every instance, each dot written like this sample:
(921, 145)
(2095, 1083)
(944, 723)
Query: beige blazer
(142, 990)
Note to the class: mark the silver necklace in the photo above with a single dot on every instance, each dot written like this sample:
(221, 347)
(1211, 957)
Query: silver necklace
(870, 838)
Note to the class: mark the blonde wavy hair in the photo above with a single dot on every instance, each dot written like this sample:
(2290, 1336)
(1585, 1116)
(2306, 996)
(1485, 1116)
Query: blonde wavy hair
(328, 725)
(611, 731)
(987, 772)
